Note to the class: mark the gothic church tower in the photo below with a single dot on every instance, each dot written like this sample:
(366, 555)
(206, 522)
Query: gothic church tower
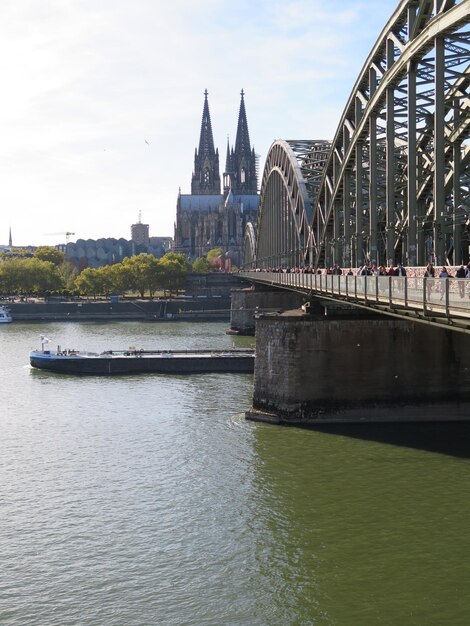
(240, 166)
(207, 218)
(206, 176)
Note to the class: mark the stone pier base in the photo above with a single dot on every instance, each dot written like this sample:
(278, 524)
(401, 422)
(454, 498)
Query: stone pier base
(248, 302)
(323, 370)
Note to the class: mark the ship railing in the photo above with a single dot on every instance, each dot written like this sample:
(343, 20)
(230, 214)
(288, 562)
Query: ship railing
(140, 352)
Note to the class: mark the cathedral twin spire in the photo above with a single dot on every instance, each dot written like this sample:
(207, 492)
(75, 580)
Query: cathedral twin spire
(206, 177)
(240, 168)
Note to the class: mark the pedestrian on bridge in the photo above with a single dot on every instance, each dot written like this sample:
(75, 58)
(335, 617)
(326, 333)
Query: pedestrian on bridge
(461, 273)
(400, 271)
(443, 275)
(429, 272)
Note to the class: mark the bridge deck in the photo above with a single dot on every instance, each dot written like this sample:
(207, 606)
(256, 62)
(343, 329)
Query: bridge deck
(439, 301)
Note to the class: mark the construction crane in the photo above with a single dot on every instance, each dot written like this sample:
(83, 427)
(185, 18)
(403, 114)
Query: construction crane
(67, 234)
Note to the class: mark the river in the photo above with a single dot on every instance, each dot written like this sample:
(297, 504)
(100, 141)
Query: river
(149, 500)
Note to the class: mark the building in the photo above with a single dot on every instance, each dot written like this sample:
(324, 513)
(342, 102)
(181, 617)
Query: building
(210, 217)
(163, 243)
(140, 233)
(107, 251)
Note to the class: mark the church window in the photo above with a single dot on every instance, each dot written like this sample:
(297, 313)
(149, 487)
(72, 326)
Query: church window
(242, 175)
(233, 225)
(206, 176)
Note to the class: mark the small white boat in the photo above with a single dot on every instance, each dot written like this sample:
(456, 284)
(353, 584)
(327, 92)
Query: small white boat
(5, 316)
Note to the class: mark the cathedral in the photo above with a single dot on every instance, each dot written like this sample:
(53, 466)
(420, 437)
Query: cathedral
(208, 217)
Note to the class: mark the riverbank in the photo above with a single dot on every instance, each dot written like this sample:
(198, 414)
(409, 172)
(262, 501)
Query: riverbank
(204, 309)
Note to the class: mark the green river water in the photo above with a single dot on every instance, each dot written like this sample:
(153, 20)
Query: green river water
(150, 500)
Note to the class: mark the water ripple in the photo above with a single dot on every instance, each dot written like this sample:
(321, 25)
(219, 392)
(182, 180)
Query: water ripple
(145, 500)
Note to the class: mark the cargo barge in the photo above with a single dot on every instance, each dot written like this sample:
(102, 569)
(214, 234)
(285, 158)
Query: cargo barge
(143, 361)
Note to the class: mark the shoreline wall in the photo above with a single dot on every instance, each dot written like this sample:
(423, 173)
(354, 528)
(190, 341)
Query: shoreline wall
(145, 310)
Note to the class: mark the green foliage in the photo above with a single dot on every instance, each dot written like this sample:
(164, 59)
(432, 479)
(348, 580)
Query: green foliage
(174, 270)
(89, 282)
(28, 276)
(15, 253)
(214, 253)
(49, 253)
(142, 273)
(117, 277)
(70, 274)
(21, 252)
(201, 265)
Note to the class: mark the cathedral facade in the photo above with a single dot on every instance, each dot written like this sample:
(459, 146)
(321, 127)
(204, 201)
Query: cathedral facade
(210, 217)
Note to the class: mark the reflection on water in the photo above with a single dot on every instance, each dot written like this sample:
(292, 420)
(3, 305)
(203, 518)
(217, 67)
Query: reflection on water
(358, 532)
(142, 500)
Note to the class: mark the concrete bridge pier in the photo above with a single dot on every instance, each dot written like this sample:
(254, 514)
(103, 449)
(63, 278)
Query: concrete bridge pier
(257, 300)
(313, 369)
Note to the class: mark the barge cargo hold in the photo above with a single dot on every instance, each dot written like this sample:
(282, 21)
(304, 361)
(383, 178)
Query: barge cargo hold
(133, 361)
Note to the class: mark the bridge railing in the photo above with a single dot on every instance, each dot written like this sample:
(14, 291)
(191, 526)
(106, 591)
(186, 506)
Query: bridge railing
(442, 296)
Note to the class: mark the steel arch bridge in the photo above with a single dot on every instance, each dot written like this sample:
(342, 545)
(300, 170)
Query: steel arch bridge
(393, 185)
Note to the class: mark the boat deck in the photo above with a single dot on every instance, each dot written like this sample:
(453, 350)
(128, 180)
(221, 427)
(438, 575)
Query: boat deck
(141, 361)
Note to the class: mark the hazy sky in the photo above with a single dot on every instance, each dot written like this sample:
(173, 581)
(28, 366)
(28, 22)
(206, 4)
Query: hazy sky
(86, 83)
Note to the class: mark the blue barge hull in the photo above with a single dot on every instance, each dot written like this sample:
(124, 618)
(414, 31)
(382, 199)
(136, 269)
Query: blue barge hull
(144, 361)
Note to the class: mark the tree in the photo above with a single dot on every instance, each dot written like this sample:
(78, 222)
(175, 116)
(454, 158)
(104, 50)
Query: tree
(143, 273)
(214, 253)
(90, 282)
(28, 276)
(20, 252)
(49, 253)
(216, 258)
(118, 277)
(174, 270)
(201, 265)
(70, 274)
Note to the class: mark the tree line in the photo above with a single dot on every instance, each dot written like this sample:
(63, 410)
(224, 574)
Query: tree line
(46, 272)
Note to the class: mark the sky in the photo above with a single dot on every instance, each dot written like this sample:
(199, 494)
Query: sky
(102, 100)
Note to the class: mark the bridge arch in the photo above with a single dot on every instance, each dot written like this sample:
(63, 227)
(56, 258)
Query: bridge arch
(291, 174)
(396, 184)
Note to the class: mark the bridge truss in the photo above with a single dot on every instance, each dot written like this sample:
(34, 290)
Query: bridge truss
(290, 184)
(393, 185)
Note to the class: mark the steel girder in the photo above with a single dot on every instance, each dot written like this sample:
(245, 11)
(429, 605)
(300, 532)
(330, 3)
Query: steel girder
(290, 183)
(396, 184)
